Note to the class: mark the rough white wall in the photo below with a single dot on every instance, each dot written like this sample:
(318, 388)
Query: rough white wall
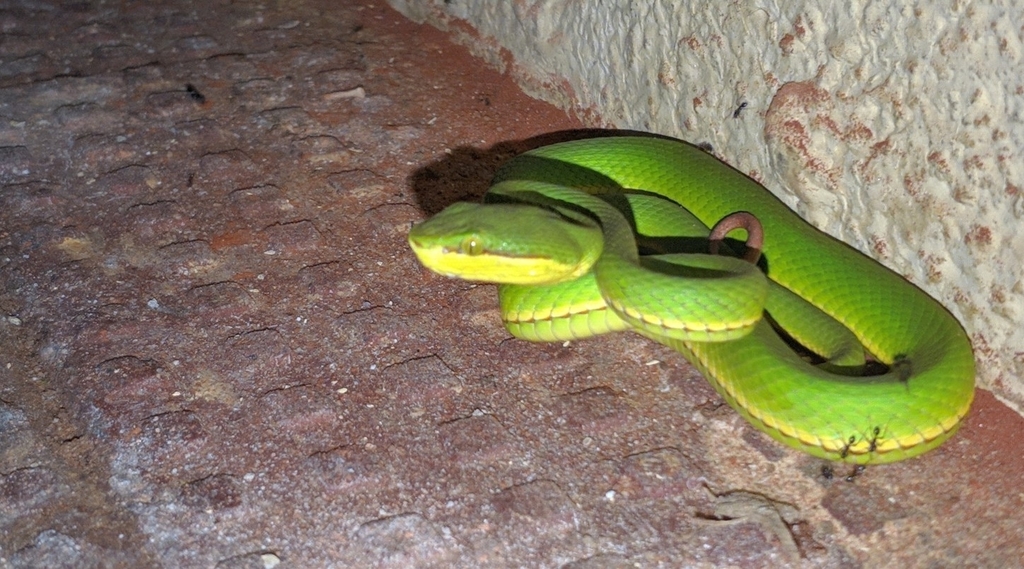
(896, 126)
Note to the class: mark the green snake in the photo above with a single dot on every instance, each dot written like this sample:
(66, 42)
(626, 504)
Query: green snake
(852, 363)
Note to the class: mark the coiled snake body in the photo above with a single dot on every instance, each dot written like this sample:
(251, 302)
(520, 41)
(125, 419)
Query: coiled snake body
(560, 227)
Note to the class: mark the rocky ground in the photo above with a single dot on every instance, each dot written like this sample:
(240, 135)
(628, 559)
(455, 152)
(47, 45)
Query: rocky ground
(216, 349)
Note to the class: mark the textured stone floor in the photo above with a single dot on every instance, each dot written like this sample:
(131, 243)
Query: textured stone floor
(216, 349)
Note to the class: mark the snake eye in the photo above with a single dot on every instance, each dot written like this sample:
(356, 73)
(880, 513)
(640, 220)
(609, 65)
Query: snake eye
(472, 246)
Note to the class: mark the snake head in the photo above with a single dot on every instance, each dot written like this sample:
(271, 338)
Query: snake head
(507, 243)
